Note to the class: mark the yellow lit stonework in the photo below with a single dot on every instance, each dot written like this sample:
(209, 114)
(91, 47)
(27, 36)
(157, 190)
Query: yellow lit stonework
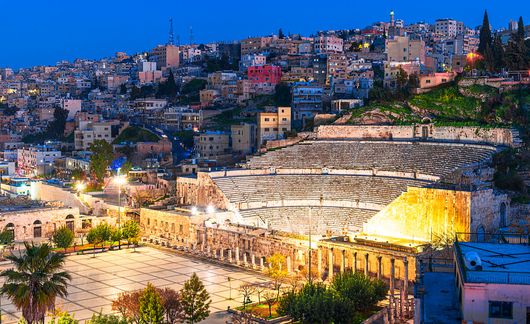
(421, 213)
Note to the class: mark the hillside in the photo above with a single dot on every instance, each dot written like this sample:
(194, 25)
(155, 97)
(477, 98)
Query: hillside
(451, 104)
(135, 134)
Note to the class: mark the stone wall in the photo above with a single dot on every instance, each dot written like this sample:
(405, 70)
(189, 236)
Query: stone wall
(26, 221)
(488, 208)
(172, 225)
(423, 213)
(494, 136)
(46, 192)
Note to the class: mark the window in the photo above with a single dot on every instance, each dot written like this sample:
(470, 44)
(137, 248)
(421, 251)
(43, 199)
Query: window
(500, 309)
(266, 129)
(181, 228)
(267, 119)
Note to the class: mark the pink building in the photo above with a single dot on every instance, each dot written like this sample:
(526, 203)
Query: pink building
(265, 74)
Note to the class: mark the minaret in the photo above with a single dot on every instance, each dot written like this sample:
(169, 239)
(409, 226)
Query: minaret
(392, 21)
(170, 36)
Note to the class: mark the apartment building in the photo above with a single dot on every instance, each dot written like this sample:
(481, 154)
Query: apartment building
(273, 124)
(243, 138)
(328, 44)
(307, 100)
(36, 160)
(402, 49)
(448, 27)
(265, 78)
(214, 145)
(254, 44)
(166, 56)
(88, 132)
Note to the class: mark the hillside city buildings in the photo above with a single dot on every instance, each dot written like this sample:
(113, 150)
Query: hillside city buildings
(237, 150)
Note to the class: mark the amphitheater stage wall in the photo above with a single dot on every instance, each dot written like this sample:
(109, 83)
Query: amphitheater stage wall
(308, 202)
(423, 214)
(494, 136)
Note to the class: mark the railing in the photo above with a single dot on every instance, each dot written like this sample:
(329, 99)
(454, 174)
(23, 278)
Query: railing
(498, 277)
(499, 238)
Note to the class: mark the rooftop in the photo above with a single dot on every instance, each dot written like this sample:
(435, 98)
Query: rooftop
(501, 263)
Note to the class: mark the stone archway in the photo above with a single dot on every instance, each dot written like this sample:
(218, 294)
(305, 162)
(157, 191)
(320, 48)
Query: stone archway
(70, 223)
(37, 229)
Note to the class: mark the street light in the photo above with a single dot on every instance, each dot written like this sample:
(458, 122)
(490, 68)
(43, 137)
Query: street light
(119, 180)
(80, 187)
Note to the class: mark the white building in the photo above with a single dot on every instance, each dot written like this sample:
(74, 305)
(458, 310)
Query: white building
(493, 280)
(36, 160)
(328, 44)
(72, 105)
(448, 27)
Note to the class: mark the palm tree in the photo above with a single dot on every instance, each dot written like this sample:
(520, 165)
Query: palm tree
(35, 281)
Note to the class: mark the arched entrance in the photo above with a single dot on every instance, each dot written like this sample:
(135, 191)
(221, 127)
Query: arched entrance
(10, 228)
(37, 229)
(70, 222)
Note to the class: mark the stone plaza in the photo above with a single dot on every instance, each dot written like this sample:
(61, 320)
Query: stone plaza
(96, 282)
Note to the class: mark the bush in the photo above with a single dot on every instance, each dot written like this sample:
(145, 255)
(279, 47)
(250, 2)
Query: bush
(63, 237)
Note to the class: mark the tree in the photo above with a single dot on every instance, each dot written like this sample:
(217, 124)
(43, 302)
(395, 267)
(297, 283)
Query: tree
(100, 159)
(520, 30)
(195, 300)
(151, 309)
(172, 303)
(36, 280)
(485, 35)
(56, 127)
(361, 292)
(281, 35)
(282, 95)
(277, 271)
(63, 237)
(100, 318)
(116, 235)
(63, 318)
(131, 232)
(99, 235)
(6, 237)
(128, 304)
(498, 53)
(246, 290)
(270, 300)
(313, 304)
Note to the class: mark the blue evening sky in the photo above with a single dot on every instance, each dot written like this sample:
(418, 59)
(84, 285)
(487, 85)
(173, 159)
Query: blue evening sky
(39, 32)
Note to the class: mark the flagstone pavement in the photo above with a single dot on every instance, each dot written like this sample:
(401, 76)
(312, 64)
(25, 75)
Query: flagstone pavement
(97, 281)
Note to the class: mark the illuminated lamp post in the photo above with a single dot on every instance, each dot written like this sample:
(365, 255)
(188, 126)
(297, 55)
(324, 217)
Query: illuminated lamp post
(471, 58)
(119, 180)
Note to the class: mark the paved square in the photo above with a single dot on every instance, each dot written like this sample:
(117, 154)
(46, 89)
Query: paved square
(97, 281)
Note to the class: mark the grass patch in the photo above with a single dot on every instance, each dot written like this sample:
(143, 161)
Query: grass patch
(449, 103)
(136, 134)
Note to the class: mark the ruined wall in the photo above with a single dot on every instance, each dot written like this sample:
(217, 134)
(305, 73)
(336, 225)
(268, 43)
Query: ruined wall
(169, 224)
(495, 136)
(421, 213)
(487, 211)
(24, 221)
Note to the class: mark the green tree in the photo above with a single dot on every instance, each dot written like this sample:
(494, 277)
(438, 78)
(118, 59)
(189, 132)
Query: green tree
(131, 232)
(195, 300)
(63, 238)
(282, 95)
(101, 318)
(55, 128)
(63, 318)
(498, 53)
(281, 35)
(360, 291)
(151, 308)
(6, 237)
(485, 35)
(100, 159)
(116, 235)
(35, 281)
(314, 303)
(99, 235)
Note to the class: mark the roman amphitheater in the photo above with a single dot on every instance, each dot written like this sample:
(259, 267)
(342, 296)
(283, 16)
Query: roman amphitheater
(372, 197)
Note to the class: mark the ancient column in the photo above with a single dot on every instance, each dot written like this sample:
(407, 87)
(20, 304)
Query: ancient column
(245, 263)
(261, 265)
(288, 264)
(404, 287)
(379, 267)
(319, 263)
(208, 250)
(343, 261)
(366, 264)
(237, 255)
(354, 262)
(221, 254)
(391, 289)
(253, 260)
(230, 256)
(330, 263)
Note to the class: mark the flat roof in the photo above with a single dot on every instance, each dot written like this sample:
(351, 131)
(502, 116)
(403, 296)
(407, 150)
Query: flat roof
(502, 263)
